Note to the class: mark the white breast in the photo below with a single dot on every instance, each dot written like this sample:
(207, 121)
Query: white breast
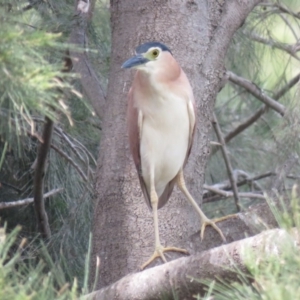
(164, 139)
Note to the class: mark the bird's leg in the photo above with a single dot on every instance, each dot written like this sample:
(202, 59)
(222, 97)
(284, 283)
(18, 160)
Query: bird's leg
(205, 221)
(159, 249)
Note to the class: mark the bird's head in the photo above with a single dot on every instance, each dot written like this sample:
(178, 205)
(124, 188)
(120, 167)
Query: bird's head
(149, 57)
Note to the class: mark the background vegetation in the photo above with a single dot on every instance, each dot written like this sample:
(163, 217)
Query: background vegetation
(36, 83)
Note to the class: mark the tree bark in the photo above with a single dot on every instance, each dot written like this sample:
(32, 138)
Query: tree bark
(198, 33)
(38, 181)
(186, 277)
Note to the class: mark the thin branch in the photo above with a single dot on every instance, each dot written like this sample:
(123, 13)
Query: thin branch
(248, 122)
(220, 190)
(71, 161)
(289, 25)
(26, 201)
(213, 143)
(73, 147)
(225, 185)
(227, 194)
(10, 186)
(277, 8)
(290, 49)
(227, 161)
(254, 178)
(253, 118)
(284, 9)
(287, 87)
(256, 92)
(39, 176)
(69, 142)
(79, 59)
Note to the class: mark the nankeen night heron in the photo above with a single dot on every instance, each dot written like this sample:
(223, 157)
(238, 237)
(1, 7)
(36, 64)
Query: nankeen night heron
(161, 125)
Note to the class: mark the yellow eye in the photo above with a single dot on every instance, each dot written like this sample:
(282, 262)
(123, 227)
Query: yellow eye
(155, 53)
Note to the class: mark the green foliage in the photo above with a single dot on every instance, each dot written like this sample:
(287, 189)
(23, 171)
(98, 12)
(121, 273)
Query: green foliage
(271, 140)
(25, 280)
(30, 83)
(34, 84)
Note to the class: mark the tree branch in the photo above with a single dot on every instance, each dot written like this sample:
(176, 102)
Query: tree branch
(38, 182)
(89, 80)
(227, 194)
(290, 49)
(248, 122)
(287, 22)
(26, 201)
(184, 277)
(10, 186)
(225, 185)
(283, 9)
(71, 161)
(256, 92)
(227, 161)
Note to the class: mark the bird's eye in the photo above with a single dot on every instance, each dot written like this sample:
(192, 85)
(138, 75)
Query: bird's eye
(155, 53)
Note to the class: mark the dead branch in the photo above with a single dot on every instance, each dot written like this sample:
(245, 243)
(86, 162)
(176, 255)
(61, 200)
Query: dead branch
(10, 186)
(227, 161)
(214, 192)
(225, 185)
(38, 182)
(287, 87)
(88, 77)
(71, 141)
(283, 9)
(74, 144)
(289, 25)
(253, 118)
(227, 194)
(27, 200)
(247, 123)
(184, 277)
(290, 49)
(254, 90)
(71, 161)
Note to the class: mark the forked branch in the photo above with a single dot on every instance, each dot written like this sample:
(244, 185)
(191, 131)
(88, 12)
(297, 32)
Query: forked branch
(253, 118)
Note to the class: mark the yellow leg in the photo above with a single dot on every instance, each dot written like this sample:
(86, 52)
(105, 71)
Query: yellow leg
(159, 249)
(205, 221)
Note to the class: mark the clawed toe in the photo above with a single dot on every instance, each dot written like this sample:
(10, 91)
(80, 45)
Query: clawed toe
(212, 223)
(159, 252)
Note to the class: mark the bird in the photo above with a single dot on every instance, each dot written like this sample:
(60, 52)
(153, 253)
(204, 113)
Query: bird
(161, 121)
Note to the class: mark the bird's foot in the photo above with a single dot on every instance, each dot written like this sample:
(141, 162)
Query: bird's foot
(212, 223)
(159, 252)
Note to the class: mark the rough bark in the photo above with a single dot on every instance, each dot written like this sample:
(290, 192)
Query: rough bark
(198, 32)
(186, 277)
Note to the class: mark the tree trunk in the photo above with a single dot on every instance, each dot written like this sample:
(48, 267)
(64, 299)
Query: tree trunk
(198, 33)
